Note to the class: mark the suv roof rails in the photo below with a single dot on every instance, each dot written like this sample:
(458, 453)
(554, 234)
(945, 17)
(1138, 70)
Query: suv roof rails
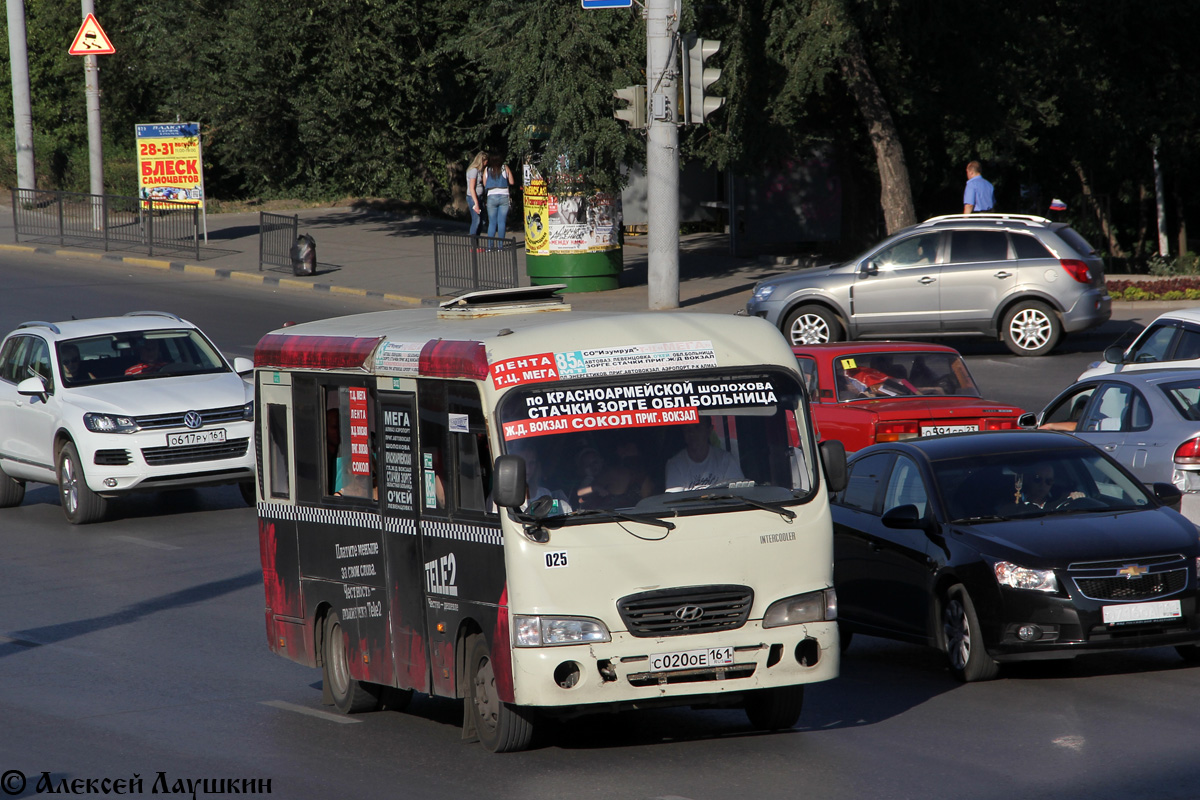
(988, 215)
(166, 314)
(39, 324)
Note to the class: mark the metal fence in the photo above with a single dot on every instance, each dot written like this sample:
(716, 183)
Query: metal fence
(464, 263)
(112, 221)
(276, 235)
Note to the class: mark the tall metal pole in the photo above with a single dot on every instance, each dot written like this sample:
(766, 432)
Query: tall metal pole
(18, 57)
(662, 154)
(91, 71)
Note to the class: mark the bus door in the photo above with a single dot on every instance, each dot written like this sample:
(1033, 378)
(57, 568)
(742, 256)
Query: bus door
(276, 524)
(463, 561)
(397, 452)
(338, 521)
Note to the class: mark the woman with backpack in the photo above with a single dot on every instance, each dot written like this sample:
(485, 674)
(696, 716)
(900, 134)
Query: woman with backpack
(497, 180)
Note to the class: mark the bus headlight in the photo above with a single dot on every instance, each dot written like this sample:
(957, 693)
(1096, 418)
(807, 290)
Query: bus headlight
(549, 631)
(811, 607)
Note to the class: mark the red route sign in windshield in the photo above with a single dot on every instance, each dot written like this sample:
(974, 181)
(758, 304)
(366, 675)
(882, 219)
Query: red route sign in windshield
(577, 423)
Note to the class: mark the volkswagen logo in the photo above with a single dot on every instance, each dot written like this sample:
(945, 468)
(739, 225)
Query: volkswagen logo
(193, 419)
(689, 613)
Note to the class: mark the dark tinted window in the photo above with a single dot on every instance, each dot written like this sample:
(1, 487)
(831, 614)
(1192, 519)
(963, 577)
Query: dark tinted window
(1027, 246)
(1072, 238)
(1187, 346)
(862, 487)
(1153, 345)
(967, 246)
(16, 351)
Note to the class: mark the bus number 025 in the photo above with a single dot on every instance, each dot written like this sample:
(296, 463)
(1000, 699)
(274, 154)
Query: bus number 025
(556, 559)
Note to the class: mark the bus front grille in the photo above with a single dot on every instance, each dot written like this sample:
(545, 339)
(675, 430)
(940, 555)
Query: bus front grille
(686, 610)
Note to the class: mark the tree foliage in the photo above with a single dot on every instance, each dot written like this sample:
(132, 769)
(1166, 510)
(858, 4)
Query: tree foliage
(324, 98)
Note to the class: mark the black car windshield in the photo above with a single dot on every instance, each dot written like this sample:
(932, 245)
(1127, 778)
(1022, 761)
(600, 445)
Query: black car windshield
(136, 355)
(864, 376)
(663, 446)
(1034, 483)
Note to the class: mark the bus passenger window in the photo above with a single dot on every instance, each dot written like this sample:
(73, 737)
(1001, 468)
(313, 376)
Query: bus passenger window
(349, 432)
(277, 450)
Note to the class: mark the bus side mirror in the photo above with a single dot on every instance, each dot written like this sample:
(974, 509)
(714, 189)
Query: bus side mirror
(833, 457)
(508, 481)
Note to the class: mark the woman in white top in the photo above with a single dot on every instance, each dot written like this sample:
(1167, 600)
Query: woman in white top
(475, 189)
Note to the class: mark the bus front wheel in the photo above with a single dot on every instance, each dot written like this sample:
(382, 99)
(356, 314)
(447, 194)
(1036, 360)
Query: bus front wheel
(350, 696)
(775, 709)
(501, 727)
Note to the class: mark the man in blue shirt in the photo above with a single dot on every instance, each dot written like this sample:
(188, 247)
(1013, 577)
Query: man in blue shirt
(978, 195)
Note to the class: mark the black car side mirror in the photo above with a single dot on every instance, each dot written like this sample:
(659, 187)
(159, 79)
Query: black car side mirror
(1114, 354)
(906, 517)
(1168, 494)
(1027, 420)
(833, 457)
(508, 481)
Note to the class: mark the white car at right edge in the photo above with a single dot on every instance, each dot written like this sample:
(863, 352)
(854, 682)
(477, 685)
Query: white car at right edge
(1171, 340)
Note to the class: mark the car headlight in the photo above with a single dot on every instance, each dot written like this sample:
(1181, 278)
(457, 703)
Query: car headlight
(550, 631)
(248, 412)
(1015, 577)
(763, 293)
(811, 607)
(109, 423)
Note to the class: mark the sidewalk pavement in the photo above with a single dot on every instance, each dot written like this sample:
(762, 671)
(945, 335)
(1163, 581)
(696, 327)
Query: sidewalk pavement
(371, 253)
(364, 251)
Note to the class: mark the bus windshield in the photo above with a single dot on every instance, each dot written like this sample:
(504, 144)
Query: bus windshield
(662, 445)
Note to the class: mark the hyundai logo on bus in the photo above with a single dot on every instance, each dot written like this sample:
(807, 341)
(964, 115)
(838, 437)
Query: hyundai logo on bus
(689, 613)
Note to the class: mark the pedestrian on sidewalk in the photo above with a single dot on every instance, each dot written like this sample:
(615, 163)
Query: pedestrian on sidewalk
(978, 196)
(475, 189)
(497, 181)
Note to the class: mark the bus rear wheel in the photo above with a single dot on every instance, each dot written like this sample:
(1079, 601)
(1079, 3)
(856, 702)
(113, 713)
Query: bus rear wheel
(350, 696)
(501, 727)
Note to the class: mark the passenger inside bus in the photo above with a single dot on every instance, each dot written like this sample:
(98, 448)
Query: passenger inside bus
(699, 464)
(620, 483)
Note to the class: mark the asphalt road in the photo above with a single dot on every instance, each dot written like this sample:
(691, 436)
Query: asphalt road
(137, 647)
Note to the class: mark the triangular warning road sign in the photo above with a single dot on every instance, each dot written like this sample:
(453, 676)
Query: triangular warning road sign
(91, 41)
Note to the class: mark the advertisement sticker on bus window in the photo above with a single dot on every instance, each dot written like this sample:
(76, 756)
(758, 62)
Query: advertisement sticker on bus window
(360, 445)
(458, 423)
(429, 480)
(626, 360)
(556, 410)
(399, 357)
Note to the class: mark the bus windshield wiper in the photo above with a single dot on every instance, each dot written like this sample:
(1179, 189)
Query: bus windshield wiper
(557, 522)
(777, 508)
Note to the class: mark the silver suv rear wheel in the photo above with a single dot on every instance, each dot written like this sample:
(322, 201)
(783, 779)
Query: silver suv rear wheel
(1031, 328)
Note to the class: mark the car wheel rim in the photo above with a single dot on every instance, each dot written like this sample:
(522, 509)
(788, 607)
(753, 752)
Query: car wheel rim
(69, 485)
(1030, 329)
(958, 634)
(810, 329)
(339, 671)
(487, 705)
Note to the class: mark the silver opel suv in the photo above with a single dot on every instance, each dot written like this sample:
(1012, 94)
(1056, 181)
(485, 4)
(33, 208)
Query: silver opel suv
(1022, 279)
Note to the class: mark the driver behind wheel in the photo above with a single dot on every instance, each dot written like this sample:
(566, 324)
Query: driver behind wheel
(1034, 488)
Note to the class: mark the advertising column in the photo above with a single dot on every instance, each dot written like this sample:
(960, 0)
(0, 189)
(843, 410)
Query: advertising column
(571, 238)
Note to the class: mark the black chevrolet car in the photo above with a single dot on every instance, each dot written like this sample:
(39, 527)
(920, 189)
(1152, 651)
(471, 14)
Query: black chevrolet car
(1008, 546)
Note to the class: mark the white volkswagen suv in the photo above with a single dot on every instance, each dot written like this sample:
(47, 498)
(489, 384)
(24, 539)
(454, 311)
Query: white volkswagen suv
(104, 407)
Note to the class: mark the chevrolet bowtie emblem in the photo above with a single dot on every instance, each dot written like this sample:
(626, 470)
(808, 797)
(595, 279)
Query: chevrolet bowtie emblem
(1133, 571)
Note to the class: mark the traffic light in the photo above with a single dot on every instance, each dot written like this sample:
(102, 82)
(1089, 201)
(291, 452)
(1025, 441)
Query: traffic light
(635, 114)
(697, 103)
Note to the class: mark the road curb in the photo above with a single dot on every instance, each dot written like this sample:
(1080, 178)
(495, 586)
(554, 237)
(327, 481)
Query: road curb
(213, 272)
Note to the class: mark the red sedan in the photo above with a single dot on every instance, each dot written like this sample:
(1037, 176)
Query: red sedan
(869, 392)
